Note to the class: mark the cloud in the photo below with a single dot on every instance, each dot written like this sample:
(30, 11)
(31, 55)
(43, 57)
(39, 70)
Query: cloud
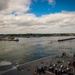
(52, 2)
(3, 4)
(20, 6)
(29, 23)
(58, 22)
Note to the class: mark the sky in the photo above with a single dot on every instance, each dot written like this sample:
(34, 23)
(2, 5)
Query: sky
(37, 16)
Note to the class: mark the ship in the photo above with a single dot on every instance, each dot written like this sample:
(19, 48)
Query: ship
(9, 39)
(57, 65)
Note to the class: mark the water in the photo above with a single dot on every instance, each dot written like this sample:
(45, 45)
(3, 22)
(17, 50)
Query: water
(28, 49)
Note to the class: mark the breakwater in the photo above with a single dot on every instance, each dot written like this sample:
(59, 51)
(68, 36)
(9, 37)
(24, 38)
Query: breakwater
(60, 40)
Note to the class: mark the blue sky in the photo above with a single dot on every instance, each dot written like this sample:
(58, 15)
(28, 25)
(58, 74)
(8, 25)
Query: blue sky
(37, 16)
(40, 7)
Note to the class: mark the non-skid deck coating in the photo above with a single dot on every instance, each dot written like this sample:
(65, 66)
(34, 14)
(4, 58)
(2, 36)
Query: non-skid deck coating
(31, 69)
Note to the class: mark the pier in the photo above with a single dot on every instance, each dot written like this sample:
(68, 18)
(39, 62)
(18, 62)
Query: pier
(60, 40)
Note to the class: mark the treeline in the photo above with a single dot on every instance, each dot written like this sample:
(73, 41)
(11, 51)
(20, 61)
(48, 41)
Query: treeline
(36, 35)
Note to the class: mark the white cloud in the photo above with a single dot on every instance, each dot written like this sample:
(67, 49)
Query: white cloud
(52, 2)
(58, 22)
(24, 23)
(20, 6)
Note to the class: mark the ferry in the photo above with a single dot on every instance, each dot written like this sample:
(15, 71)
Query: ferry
(9, 39)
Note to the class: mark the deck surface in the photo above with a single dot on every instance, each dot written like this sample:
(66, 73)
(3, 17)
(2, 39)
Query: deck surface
(32, 68)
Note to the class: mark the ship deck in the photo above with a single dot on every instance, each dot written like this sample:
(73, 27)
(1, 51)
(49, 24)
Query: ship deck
(56, 62)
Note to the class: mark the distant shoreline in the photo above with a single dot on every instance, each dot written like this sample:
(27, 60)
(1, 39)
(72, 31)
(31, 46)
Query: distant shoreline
(28, 35)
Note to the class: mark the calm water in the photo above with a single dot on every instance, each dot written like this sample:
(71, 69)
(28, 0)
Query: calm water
(28, 49)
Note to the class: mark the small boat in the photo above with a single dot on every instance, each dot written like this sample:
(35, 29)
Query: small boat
(16, 39)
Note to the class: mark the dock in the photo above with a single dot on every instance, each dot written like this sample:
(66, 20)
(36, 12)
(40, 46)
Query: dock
(60, 40)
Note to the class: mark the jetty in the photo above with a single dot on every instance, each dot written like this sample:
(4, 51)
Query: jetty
(60, 40)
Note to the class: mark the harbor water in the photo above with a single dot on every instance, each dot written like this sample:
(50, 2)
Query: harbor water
(28, 49)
